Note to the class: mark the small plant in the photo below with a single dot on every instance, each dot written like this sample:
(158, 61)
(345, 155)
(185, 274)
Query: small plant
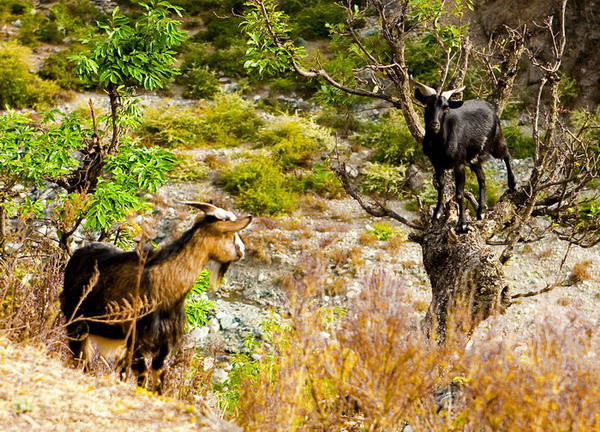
(392, 141)
(260, 186)
(20, 88)
(294, 141)
(382, 230)
(197, 307)
(200, 83)
(520, 144)
(383, 179)
(188, 169)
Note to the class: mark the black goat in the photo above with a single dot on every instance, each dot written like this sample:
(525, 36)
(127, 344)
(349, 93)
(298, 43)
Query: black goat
(457, 134)
(103, 284)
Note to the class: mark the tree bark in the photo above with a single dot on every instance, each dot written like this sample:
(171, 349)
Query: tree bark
(467, 280)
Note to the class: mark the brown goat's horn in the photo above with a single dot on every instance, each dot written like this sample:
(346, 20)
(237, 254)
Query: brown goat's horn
(211, 210)
(427, 91)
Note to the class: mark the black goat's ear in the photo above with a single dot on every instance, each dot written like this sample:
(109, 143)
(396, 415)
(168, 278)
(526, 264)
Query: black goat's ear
(232, 225)
(455, 104)
(420, 96)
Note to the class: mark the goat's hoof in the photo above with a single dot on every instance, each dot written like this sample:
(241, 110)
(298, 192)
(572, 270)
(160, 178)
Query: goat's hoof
(462, 228)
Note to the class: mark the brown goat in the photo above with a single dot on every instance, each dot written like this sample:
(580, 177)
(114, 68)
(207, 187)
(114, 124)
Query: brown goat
(106, 290)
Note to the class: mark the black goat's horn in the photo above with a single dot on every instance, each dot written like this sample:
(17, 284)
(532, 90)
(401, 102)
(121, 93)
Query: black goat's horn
(427, 91)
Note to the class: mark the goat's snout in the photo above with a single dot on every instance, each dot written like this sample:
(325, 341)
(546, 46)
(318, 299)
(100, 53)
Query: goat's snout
(435, 126)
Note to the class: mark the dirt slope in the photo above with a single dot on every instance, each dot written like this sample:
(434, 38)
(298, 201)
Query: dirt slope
(37, 393)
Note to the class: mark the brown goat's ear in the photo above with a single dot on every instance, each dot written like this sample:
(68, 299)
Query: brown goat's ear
(232, 226)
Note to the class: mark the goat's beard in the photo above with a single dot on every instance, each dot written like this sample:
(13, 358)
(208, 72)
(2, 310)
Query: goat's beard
(217, 273)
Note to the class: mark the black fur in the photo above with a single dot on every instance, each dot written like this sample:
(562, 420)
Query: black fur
(458, 134)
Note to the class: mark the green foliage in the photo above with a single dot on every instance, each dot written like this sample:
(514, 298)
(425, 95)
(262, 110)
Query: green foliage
(309, 19)
(494, 187)
(131, 169)
(382, 230)
(188, 169)
(197, 307)
(258, 357)
(200, 83)
(171, 126)
(383, 179)
(137, 53)
(567, 89)
(520, 144)
(260, 186)
(59, 69)
(392, 141)
(20, 88)
(28, 155)
(65, 19)
(270, 49)
(230, 121)
(294, 141)
(323, 181)
(14, 9)
(588, 123)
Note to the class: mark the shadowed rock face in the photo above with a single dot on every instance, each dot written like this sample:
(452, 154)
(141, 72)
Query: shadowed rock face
(583, 37)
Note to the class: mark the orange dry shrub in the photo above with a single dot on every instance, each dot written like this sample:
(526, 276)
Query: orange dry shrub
(548, 382)
(371, 369)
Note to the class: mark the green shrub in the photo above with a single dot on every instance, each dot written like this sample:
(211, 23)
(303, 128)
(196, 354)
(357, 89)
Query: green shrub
(230, 121)
(65, 19)
(323, 181)
(260, 186)
(520, 144)
(295, 141)
(172, 127)
(309, 20)
(18, 87)
(188, 169)
(200, 83)
(392, 141)
(11, 10)
(383, 180)
(59, 69)
(494, 188)
(196, 306)
(382, 230)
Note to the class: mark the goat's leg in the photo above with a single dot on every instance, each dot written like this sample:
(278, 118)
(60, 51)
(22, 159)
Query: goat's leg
(438, 182)
(138, 367)
(158, 372)
(79, 344)
(481, 204)
(512, 184)
(459, 177)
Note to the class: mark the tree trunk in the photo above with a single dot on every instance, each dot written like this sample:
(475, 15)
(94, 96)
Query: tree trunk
(467, 279)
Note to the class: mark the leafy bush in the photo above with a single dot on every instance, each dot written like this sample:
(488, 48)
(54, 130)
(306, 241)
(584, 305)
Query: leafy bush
(171, 126)
(383, 180)
(322, 180)
(200, 83)
(392, 141)
(188, 169)
(309, 19)
(520, 144)
(382, 230)
(65, 19)
(18, 87)
(11, 10)
(58, 68)
(294, 141)
(197, 306)
(260, 186)
(230, 121)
